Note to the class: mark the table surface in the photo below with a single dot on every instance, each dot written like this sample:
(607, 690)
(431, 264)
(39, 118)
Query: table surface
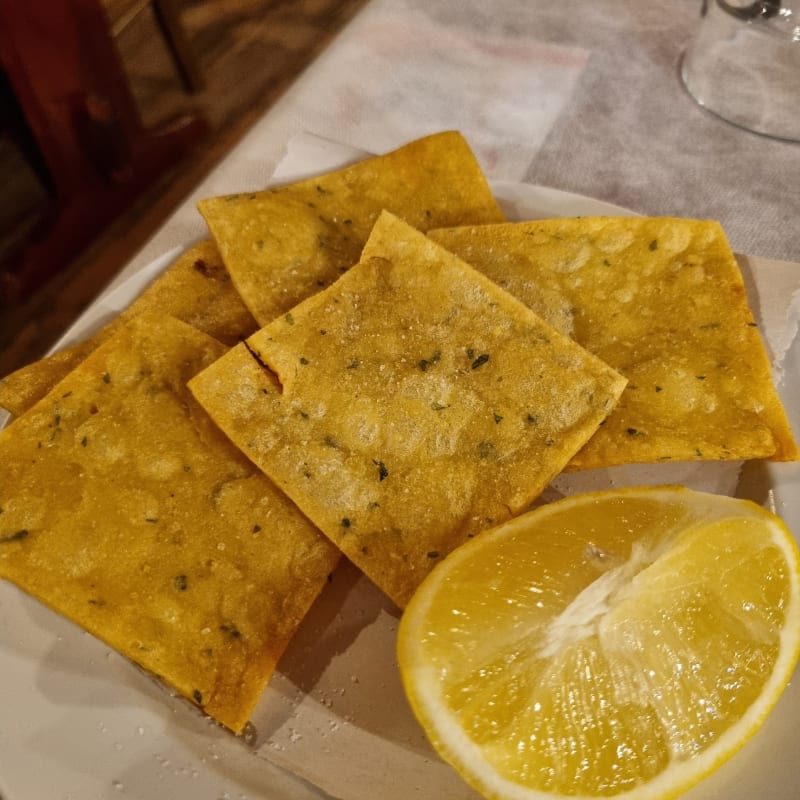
(578, 96)
(582, 97)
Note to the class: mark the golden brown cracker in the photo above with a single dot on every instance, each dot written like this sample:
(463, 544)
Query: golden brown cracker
(663, 301)
(124, 508)
(408, 406)
(283, 244)
(20, 389)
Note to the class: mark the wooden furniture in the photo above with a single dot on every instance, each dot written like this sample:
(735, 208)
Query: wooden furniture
(80, 128)
(122, 12)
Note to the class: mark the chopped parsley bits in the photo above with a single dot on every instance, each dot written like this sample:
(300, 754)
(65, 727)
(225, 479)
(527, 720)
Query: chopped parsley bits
(17, 536)
(429, 362)
(485, 450)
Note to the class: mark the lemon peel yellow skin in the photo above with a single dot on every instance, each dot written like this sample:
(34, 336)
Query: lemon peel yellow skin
(616, 644)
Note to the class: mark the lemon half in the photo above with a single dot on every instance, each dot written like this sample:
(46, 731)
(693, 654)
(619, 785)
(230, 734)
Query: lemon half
(614, 644)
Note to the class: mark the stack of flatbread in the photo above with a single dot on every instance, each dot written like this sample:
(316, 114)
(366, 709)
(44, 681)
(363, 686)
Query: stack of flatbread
(370, 363)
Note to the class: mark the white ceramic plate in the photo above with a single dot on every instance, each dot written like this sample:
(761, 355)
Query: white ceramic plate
(79, 722)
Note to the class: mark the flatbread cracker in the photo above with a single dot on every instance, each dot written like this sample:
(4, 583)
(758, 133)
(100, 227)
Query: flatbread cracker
(663, 301)
(283, 244)
(20, 389)
(124, 508)
(408, 406)
(195, 288)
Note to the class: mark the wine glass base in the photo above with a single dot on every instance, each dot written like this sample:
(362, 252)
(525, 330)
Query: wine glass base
(745, 73)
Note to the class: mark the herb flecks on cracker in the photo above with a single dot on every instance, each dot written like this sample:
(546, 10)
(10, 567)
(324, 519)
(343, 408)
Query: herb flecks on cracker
(283, 244)
(126, 510)
(396, 463)
(662, 300)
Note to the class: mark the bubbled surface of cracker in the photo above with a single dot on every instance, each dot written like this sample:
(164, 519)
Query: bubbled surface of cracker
(283, 244)
(663, 301)
(409, 406)
(126, 510)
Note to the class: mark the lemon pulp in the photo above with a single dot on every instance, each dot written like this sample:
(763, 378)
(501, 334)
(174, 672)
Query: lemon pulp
(615, 644)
